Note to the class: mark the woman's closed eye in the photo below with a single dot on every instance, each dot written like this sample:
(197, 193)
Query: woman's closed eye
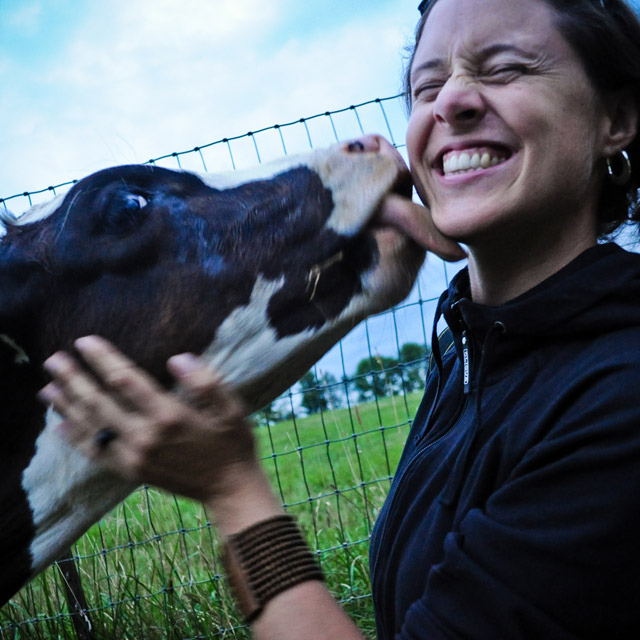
(427, 91)
(504, 73)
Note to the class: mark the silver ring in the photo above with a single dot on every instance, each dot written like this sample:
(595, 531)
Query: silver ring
(104, 437)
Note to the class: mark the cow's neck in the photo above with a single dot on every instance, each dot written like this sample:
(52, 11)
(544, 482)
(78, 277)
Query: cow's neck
(50, 493)
(21, 419)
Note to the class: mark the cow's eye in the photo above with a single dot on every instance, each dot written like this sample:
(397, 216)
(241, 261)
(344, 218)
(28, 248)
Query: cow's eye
(124, 212)
(136, 201)
(132, 203)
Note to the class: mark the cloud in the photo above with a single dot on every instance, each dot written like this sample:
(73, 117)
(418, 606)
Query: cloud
(133, 79)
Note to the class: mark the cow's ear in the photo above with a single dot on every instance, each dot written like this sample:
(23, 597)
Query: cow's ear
(20, 286)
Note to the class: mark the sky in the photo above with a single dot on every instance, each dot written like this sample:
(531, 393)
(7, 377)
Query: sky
(87, 84)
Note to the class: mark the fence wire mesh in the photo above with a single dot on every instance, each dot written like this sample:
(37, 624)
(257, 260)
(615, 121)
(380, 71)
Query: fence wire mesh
(330, 445)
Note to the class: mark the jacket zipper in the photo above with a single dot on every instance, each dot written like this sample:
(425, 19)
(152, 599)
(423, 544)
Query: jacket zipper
(408, 470)
(421, 445)
(466, 378)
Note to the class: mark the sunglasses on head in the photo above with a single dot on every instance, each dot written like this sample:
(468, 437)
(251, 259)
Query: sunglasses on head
(425, 4)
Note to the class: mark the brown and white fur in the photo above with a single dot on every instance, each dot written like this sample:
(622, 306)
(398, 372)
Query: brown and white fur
(261, 272)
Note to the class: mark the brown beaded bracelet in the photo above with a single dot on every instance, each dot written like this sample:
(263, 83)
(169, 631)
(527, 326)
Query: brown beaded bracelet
(266, 559)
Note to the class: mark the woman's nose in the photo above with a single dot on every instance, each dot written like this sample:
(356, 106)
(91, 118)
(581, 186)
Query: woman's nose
(374, 143)
(459, 104)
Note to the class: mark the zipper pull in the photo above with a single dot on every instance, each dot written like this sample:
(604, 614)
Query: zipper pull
(466, 363)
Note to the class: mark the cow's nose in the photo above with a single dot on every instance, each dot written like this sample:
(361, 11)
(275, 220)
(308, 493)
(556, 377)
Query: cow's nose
(375, 144)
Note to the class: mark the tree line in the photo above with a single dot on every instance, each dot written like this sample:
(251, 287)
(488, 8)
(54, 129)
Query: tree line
(376, 376)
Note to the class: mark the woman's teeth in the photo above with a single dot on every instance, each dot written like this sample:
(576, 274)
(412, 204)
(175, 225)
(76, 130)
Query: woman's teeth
(463, 161)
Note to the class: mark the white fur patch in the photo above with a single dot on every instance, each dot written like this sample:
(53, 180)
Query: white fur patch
(250, 356)
(231, 179)
(357, 182)
(67, 493)
(246, 346)
(40, 211)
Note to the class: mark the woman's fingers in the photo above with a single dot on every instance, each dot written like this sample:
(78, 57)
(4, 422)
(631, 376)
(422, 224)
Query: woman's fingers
(72, 382)
(126, 382)
(72, 393)
(99, 408)
(189, 442)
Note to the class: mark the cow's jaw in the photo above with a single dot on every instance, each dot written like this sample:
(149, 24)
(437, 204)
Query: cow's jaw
(359, 183)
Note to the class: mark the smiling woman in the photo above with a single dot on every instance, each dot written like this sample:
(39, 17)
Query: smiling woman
(501, 96)
(513, 513)
(602, 36)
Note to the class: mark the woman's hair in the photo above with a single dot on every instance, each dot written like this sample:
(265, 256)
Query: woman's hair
(606, 36)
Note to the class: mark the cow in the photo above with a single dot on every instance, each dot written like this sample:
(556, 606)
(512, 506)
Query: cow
(259, 271)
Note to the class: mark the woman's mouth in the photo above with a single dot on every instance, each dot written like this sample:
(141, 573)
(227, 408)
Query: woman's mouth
(472, 159)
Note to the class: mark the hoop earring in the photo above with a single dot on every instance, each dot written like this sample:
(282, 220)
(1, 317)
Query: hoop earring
(620, 179)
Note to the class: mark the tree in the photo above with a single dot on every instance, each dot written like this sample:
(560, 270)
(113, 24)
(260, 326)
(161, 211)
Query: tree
(314, 397)
(268, 414)
(334, 390)
(275, 411)
(377, 378)
(414, 358)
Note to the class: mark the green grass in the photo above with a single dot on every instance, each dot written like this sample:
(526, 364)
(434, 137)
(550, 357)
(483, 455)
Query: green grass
(150, 568)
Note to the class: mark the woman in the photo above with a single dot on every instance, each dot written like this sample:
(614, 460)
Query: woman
(514, 511)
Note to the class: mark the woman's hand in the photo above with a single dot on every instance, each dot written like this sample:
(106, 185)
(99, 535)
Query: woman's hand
(195, 442)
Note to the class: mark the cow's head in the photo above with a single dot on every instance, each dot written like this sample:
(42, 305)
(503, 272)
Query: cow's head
(262, 271)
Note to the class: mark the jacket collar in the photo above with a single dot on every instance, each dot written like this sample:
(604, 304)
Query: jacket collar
(598, 290)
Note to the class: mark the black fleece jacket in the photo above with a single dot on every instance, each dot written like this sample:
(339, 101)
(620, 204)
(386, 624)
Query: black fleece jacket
(515, 509)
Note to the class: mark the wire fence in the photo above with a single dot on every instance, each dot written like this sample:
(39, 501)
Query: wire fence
(149, 569)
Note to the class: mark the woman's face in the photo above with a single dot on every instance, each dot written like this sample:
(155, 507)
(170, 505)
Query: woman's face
(506, 130)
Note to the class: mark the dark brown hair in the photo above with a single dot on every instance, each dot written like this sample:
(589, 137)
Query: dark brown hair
(606, 36)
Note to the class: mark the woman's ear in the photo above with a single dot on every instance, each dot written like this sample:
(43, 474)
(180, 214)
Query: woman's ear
(621, 123)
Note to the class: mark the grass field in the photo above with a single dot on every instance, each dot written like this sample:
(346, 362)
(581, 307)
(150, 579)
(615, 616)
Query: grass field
(150, 569)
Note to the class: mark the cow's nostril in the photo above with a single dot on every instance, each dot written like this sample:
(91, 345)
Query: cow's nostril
(355, 146)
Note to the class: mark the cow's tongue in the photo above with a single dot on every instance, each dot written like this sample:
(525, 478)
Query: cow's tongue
(412, 220)
(403, 215)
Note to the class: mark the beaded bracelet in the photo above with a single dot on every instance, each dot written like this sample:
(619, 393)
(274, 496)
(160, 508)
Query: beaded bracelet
(266, 559)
